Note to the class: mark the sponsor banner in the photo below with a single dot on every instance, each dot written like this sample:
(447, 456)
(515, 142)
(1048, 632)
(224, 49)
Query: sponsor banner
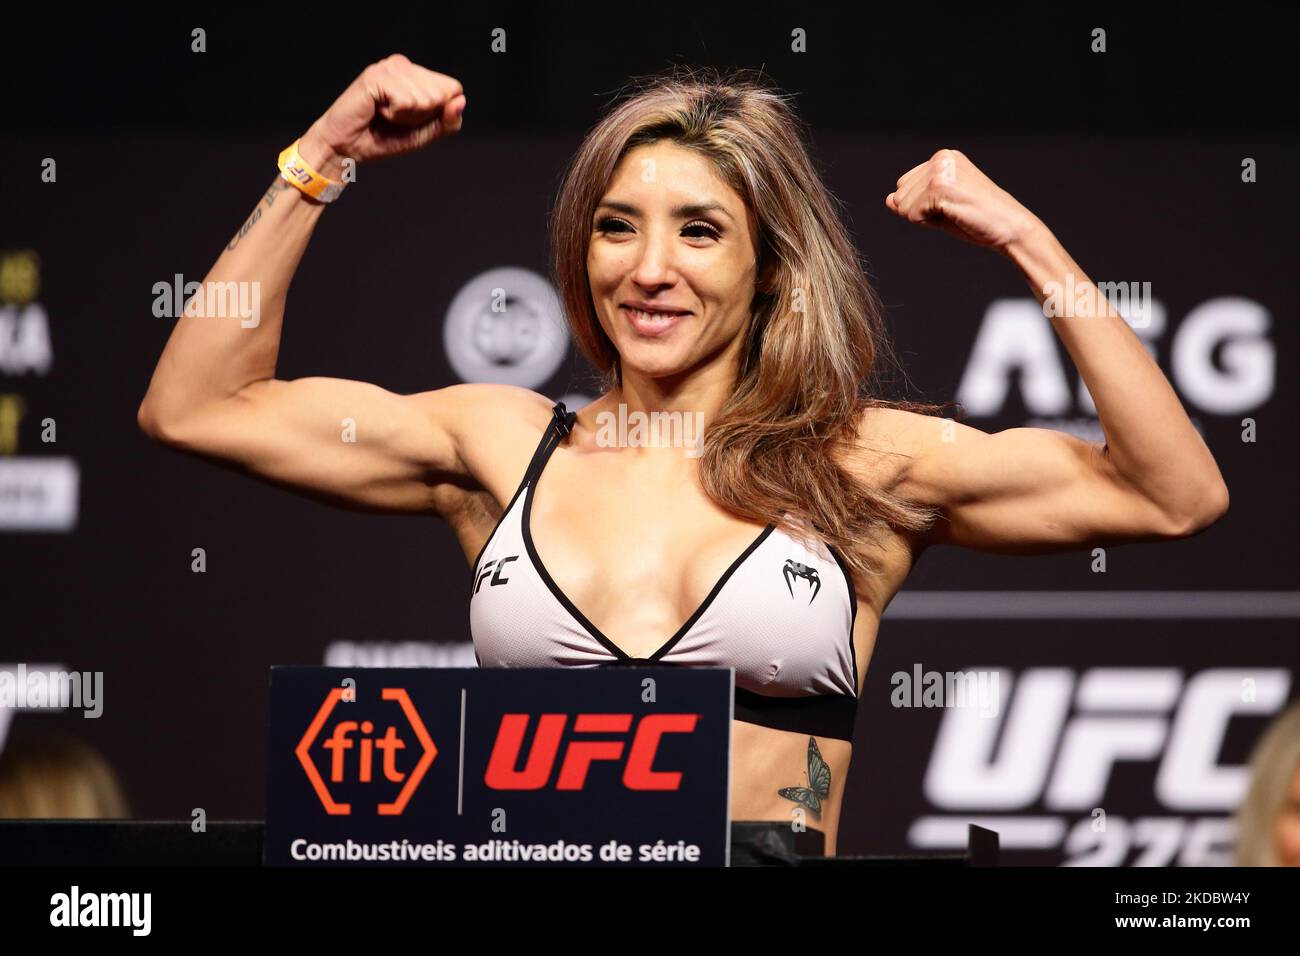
(424, 767)
(1139, 757)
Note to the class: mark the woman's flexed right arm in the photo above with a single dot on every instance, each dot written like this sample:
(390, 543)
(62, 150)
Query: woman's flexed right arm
(214, 390)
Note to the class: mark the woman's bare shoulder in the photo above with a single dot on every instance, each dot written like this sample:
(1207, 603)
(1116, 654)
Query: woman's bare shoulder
(486, 408)
(491, 425)
(889, 440)
(899, 429)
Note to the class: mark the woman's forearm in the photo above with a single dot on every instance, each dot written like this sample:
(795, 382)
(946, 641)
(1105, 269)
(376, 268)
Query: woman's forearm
(393, 107)
(229, 333)
(1149, 437)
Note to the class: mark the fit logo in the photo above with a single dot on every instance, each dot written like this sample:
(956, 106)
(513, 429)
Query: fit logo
(494, 569)
(637, 757)
(351, 759)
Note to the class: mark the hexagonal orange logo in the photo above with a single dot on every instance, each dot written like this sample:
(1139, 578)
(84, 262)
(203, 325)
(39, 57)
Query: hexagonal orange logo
(352, 747)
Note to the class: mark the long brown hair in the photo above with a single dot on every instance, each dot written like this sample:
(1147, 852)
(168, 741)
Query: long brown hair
(49, 776)
(1273, 763)
(816, 342)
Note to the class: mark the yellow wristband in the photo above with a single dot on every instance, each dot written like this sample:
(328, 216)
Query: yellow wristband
(295, 169)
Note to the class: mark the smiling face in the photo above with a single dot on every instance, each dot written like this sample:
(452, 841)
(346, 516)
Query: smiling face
(672, 262)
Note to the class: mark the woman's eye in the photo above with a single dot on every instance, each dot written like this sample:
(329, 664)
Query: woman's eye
(613, 225)
(700, 230)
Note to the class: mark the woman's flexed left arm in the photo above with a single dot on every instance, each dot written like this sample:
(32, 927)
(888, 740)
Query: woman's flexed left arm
(1153, 469)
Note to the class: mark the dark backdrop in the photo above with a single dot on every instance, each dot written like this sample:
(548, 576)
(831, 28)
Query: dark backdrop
(1133, 157)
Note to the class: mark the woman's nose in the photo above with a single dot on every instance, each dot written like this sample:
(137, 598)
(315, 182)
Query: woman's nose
(654, 268)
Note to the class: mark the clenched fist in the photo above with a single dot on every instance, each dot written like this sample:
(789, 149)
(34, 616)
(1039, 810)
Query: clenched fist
(394, 107)
(948, 191)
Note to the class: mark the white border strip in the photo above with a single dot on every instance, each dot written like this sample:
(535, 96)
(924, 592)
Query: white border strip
(1014, 833)
(954, 605)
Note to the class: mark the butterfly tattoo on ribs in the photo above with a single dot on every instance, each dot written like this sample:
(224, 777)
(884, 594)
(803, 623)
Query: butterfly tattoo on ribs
(819, 781)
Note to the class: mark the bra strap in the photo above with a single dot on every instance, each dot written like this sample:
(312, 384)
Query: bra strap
(557, 429)
(563, 419)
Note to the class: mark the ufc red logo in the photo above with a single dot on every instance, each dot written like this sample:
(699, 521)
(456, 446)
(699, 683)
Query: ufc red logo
(579, 755)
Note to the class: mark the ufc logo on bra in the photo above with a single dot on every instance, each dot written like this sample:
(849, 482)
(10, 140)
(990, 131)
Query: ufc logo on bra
(494, 569)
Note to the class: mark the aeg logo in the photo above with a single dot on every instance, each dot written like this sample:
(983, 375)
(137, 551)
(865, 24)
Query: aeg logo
(1120, 714)
(638, 772)
(1220, 358)
(345, 770)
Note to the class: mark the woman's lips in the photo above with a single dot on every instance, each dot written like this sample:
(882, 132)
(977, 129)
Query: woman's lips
(652, 323)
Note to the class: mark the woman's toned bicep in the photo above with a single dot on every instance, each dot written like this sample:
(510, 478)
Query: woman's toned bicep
(352, 443)
(1027, 490)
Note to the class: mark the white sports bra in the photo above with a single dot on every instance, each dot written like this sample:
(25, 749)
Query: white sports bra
(781, 615)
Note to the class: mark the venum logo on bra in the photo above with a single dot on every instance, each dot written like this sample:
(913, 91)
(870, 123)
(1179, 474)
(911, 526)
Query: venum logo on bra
(346, 757)
(638, 758)
(794, 570)
(494, 569)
